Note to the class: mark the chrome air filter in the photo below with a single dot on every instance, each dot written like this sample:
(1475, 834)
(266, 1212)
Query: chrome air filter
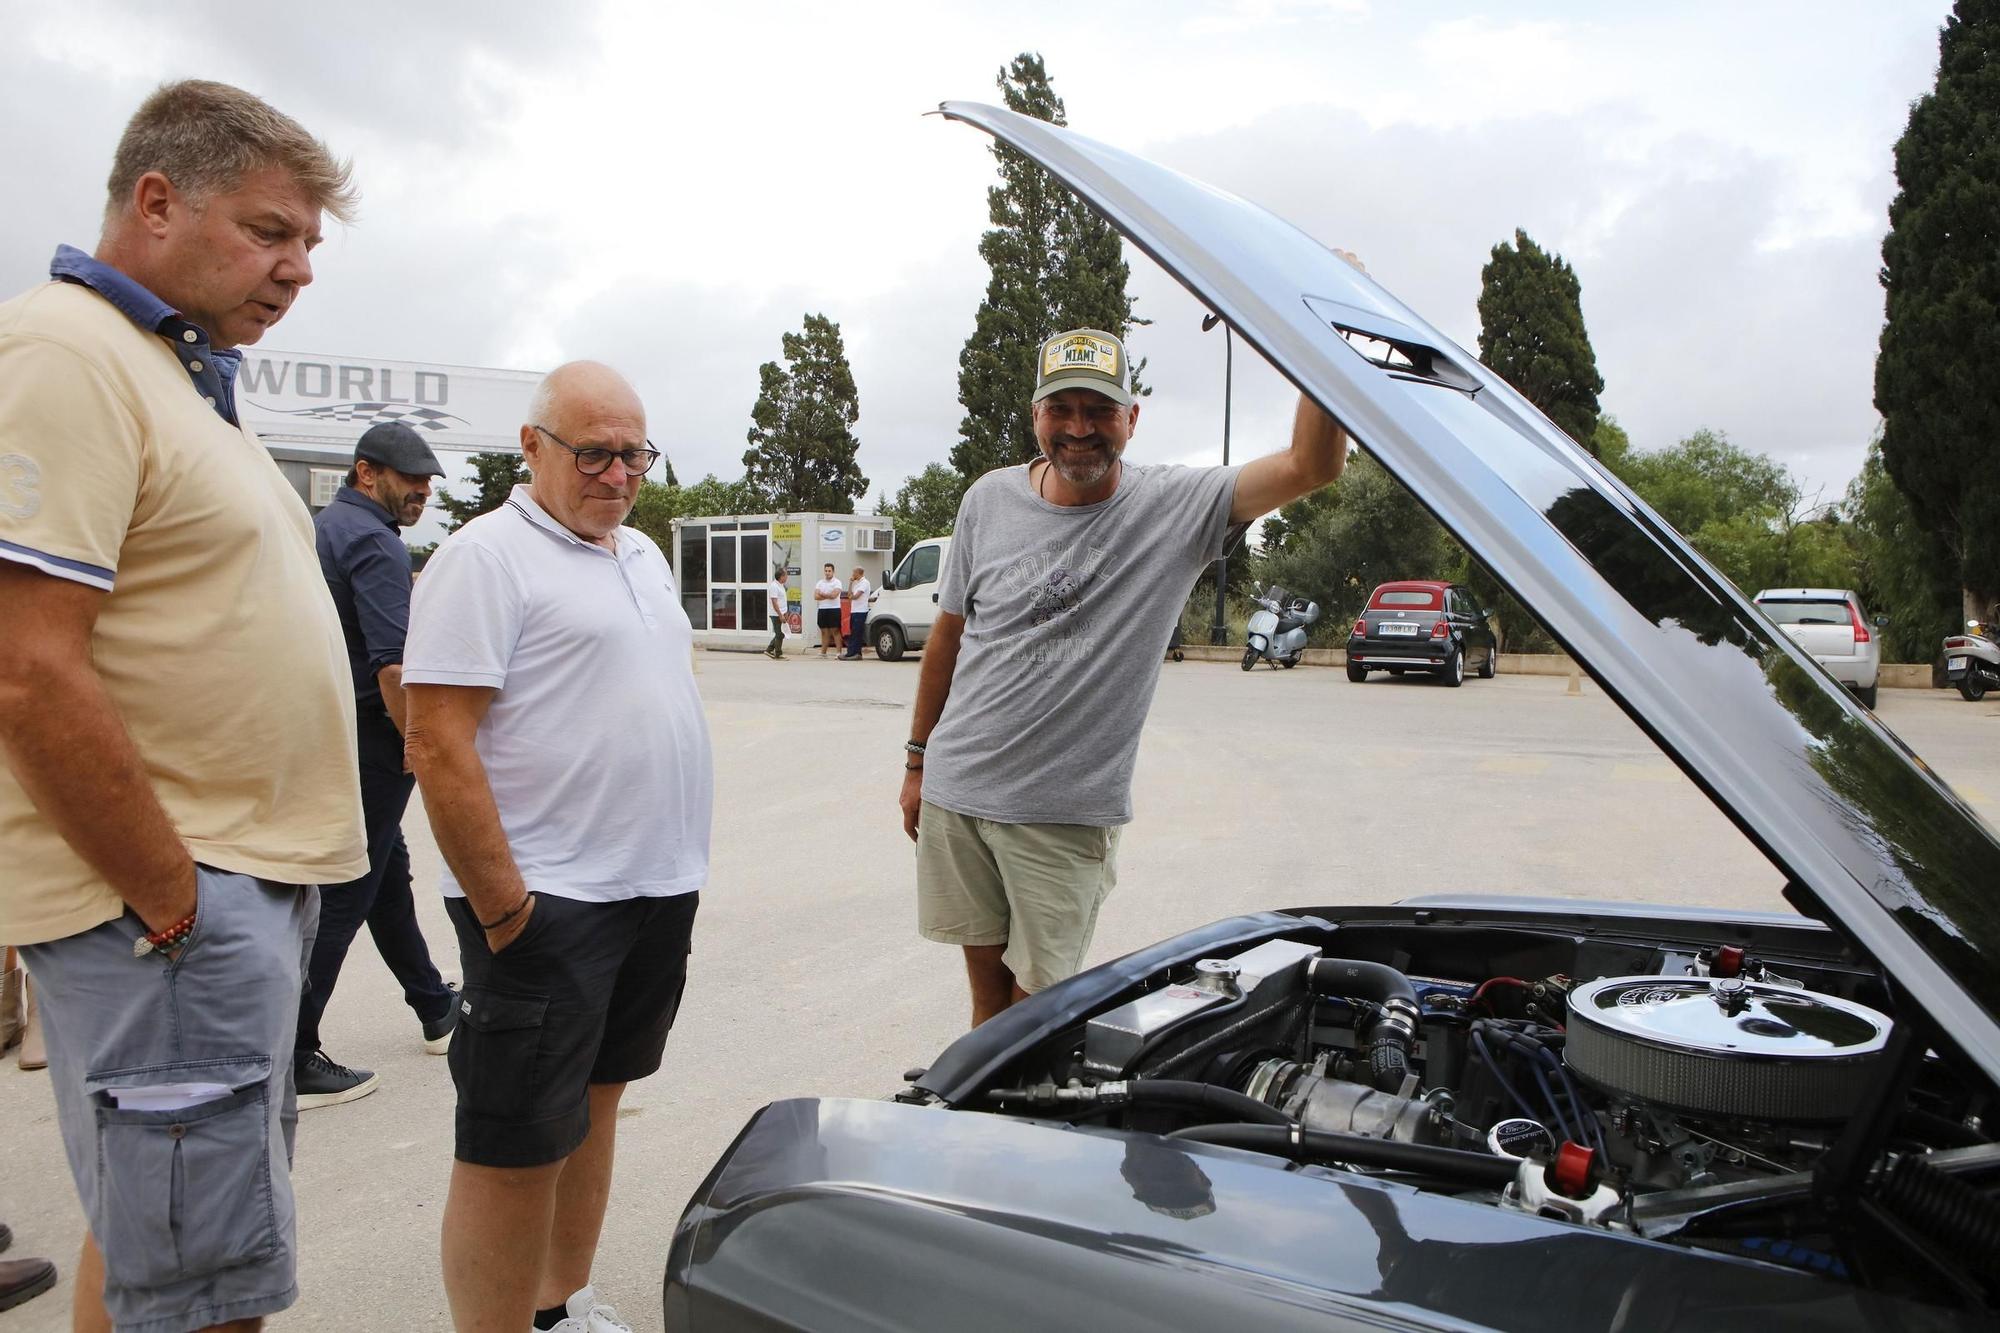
(1725, 1046)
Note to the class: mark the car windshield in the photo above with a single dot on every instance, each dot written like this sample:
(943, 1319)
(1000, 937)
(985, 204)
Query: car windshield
(1423, 600)
(1806, 612)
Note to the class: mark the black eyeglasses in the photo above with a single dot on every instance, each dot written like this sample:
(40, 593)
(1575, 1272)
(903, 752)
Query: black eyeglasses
(591, 462)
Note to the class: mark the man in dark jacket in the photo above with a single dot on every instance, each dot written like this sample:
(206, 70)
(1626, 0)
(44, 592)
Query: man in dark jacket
(367, 567)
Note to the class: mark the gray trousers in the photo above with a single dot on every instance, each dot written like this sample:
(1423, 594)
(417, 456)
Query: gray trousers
(173, 1086)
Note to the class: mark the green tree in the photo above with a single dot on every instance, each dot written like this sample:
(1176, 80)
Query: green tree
(1741, 510)
(802, 445)
(1370, 530)
(1896, 572)
(925, 506)
(494, 477)
(1934, 380)
(1053, 265)
(1706, 478)
(658, 505)
(1531, 334)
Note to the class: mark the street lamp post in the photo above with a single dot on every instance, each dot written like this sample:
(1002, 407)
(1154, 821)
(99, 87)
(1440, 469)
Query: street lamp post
(1218, 633)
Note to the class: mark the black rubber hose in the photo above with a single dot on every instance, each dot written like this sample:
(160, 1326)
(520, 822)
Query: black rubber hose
(1388, 1060)
(1388, 1044)
(1474, 1168)
(1205, 1096)
(1349, 978)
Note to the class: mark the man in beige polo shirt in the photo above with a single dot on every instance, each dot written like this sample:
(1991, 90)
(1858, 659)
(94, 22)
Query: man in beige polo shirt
(174, 710)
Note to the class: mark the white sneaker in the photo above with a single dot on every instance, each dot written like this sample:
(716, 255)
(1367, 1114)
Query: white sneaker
(594, 1315)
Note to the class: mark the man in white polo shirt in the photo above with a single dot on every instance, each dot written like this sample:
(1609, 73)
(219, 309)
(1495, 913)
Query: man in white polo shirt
(564, 759)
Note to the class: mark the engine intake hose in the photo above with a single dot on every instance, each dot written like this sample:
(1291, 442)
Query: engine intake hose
(1392, 1034)
(1206, 1097)
(1474, 1168)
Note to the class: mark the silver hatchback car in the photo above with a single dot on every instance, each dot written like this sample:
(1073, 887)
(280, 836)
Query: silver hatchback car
(1829, 624)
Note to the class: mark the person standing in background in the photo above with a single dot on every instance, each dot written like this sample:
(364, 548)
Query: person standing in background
(859, 594)
(367, 569)
(826, 608)
(779, 598)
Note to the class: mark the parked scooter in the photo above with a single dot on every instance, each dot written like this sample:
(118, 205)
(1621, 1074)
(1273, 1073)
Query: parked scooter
(1277, 629)
(1972, 660)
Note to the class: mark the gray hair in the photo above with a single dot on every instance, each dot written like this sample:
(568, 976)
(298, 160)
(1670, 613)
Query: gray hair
(206, 137)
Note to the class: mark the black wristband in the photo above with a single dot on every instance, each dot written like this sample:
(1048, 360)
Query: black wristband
(507, 916)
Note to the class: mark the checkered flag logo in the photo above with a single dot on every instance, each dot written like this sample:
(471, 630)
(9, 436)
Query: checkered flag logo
(373, 414)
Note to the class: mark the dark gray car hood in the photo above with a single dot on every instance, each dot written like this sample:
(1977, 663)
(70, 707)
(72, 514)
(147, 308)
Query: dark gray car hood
(1871, 840)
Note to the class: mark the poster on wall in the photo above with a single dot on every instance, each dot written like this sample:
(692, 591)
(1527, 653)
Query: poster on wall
(786, 538)
(833, 539)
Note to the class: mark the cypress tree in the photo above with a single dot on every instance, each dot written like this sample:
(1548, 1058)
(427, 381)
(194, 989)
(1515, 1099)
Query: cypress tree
(1935, 383)
(1053, 265)
(802, 450)
(1531, 334)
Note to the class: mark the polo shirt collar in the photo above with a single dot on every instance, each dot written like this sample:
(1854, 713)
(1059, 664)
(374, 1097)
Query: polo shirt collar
(133, 299)
(523, 500)
(213, 369)
(359, 498)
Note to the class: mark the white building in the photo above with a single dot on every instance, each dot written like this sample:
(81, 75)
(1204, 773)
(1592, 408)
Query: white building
(724, 566)
(309, 410)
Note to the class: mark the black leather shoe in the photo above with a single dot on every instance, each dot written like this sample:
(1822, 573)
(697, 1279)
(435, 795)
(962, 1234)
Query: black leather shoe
(23, 1280)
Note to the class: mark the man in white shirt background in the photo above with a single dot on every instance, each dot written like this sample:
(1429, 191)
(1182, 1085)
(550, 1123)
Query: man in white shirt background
(826, 608)
(859, 594)
(775, 649)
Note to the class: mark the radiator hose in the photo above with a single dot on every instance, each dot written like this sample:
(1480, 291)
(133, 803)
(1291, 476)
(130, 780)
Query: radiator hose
(1312, 1145)
(1390, 1037)
(1147, 1092)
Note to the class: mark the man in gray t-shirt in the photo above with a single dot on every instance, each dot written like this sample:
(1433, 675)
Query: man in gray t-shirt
(1061, 589)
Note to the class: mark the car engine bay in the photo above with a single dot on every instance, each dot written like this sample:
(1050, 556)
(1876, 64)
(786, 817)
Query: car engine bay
(1757, 1099)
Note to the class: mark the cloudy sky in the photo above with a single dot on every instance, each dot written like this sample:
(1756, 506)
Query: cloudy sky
(671, 188)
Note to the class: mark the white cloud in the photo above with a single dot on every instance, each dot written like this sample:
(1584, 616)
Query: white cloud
(672, 188)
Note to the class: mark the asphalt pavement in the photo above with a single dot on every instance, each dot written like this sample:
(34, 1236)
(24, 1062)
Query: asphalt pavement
(1276, 788)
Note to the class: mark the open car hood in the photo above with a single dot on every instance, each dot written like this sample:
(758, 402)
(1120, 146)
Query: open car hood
(1870, 840)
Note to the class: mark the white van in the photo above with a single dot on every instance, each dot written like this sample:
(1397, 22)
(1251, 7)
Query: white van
(899, 619)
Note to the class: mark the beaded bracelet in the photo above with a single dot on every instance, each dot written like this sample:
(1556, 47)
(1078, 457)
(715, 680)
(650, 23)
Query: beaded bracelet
(173, 937)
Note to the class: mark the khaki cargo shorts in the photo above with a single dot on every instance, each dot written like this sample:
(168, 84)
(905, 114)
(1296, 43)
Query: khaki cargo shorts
(1035, 888)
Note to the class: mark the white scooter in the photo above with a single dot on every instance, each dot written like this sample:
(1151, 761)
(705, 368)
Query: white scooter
(1277, 629)
(1972, 660)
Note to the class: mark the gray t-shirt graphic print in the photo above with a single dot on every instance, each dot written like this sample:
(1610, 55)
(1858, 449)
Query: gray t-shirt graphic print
(1067, 616)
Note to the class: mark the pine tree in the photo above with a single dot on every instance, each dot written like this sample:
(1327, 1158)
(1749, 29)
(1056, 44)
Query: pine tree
(802, 451)
(1934, 381)
(494, 476)
(925, 506)
(1531, 334)
(1053, 264)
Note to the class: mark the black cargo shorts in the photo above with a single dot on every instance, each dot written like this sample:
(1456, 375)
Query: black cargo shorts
(585, 994)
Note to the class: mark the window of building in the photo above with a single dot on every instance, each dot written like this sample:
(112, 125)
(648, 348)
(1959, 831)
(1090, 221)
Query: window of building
(326, 482)
(694, 574)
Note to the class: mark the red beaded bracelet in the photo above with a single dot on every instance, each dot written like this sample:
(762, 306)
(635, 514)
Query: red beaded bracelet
(173, 937)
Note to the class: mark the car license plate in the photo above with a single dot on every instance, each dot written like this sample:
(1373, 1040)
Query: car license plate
(1390, 628)
(1955, 664)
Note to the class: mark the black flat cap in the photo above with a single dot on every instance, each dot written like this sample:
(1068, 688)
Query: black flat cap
(396, 445)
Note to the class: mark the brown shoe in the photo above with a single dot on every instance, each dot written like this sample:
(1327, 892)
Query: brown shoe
(34, 1053)
(23, 1280)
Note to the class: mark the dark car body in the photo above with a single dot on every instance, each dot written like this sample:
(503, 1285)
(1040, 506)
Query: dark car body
(1422, 625)
(1062, 1165)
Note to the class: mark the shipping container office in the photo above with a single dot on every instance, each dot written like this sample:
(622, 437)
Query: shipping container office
(723, 566)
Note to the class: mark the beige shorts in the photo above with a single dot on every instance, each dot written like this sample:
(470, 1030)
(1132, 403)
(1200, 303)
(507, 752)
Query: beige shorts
(1035, 888)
